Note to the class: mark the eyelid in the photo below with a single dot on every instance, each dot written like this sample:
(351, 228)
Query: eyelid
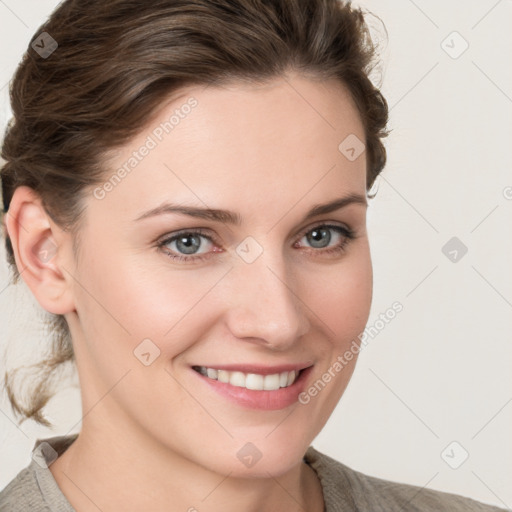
(334, 223)
(197, 231)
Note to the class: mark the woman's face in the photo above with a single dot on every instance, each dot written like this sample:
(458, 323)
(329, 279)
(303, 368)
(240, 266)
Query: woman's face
(178, 315)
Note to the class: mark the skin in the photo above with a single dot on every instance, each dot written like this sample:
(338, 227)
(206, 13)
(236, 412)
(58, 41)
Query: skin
(151, 435)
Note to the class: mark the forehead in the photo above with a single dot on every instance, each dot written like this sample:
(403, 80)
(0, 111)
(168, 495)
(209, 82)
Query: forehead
(242, 144)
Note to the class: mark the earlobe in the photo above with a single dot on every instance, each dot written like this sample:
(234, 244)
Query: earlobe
(39, 246)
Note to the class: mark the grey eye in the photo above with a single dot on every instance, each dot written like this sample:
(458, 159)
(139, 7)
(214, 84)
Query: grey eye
(187, 243)
(319, 237)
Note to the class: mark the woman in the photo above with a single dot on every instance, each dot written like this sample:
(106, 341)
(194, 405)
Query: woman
(186, 188)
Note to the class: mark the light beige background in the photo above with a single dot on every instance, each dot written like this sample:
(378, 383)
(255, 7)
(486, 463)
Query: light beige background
(440, 371)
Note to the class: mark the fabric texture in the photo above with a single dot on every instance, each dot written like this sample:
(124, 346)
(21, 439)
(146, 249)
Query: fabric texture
(344, 489)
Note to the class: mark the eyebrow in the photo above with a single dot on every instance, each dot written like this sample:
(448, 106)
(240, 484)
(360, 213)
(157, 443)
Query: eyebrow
(229, 217)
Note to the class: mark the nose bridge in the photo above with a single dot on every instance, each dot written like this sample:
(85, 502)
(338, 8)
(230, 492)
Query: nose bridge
(264, 303)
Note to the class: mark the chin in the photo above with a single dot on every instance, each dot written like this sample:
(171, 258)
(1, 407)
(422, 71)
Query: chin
(256, 458)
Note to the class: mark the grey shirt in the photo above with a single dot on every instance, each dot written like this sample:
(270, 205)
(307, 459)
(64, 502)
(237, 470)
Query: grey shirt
(34, 488)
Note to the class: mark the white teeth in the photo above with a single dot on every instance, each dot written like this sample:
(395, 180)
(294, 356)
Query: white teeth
(271, 382)
(252, 381)
(210, 372)
(223, 376)
(237, 379)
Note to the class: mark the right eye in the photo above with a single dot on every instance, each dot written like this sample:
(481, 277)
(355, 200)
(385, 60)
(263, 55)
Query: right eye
(184, 246)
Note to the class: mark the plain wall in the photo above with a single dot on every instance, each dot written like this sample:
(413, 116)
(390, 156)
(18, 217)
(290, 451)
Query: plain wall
(438, 372)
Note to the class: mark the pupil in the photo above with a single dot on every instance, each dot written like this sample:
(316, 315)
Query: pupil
(315, 239)
(190, 246)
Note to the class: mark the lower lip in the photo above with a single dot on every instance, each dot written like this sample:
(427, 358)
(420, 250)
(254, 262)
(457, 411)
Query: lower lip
(261, 400)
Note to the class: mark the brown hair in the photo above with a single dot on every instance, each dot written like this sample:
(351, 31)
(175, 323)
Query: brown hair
(117, 61)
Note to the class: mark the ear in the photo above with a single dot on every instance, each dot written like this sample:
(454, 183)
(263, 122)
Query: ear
(41, 250)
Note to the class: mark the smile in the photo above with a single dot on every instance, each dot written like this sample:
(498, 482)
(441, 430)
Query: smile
(253, 381)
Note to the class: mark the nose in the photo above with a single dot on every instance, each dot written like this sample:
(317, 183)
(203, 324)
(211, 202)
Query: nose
(265, 308)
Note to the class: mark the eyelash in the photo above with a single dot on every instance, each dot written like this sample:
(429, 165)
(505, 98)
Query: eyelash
(347, 233)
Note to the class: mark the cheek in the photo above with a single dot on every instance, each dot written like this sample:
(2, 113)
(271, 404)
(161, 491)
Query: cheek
(128, 300)
(340, 298)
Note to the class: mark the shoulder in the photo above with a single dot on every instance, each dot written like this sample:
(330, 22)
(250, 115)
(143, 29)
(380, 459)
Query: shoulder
(345, 488)
(22, 493)
(34, 487)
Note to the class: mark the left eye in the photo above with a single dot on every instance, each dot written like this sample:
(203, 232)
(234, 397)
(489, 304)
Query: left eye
(320, 236)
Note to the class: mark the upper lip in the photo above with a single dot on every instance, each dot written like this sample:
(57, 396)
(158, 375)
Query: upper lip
(259, 369)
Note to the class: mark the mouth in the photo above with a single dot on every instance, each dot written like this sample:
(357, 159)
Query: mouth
(256, 387)
(253, 381)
